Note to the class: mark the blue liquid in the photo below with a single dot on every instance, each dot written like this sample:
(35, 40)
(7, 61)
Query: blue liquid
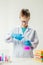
(2, 57)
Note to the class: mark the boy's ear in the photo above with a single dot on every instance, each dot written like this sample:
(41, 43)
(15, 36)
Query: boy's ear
(29, 18)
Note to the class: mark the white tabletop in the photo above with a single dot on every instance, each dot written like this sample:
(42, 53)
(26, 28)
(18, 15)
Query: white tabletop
(21, 61)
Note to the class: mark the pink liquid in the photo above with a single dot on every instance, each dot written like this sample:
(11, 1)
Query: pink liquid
(27, 47)
(6, 59)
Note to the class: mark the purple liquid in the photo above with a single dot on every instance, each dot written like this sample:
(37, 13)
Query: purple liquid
(0, 58)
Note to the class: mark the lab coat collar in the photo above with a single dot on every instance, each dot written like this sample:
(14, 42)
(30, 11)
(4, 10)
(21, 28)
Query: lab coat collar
(25, 30)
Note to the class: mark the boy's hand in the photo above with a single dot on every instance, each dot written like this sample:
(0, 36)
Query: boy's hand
(17, 36)
(27, 43)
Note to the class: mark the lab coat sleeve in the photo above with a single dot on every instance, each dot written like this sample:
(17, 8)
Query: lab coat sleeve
(34, 40)
(8, 38)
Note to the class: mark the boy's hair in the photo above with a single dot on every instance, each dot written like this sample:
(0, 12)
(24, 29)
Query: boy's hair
(25, 12)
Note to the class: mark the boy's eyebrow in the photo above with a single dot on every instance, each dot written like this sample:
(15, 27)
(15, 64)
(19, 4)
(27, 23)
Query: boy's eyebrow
(23, 21)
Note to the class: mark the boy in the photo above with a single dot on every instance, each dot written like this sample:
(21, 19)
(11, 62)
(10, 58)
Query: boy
(24, 38)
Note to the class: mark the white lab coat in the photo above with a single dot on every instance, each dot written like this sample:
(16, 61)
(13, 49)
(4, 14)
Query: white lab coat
(30, 35)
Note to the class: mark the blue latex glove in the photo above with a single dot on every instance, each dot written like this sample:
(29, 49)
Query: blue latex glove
(27, 43)
(17, 36)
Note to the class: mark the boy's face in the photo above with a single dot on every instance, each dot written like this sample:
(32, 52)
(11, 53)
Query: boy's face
(24, 20)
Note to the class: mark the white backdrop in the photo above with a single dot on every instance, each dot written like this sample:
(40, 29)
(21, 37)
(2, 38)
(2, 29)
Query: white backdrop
(9, 18)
